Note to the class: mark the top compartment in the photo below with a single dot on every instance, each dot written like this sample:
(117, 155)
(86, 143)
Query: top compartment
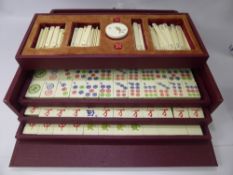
(80, 40)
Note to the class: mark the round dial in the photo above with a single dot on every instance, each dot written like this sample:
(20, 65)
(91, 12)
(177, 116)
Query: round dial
(116, 30)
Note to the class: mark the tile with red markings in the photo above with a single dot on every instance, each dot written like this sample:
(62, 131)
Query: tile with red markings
(148, 74)
(61, 129)
(135, 89)
(66, 74)
(134, 74)
(63, 89)
(180, 113)
(120, 89)
(93, 74)
(151, 113)
(31, 128)
(120, 74)
(163, 89)
(177, 89)
(160, 74)
(49, 89)
(76, 129)
(120, 113)
(135, 112)
(104, 112)
(48, 112)
(52, 75)
(196, 112)
(149, 89)
(32, 111)
(46, 129)
(106, 74)
(186, 74)
(164, 112)
(84, 89)
(191, 89)
(79, 74)
(76, 112)
(106, 89)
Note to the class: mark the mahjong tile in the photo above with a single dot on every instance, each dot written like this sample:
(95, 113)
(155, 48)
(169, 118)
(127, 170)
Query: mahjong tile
(135, 89)
(120, 75)
(80, 74)
(186, 74)
(92, 90)
(31, 128)
(90, 129)
(76, 129)
(93, 74)
(40, 75)
(180, 112)
(173, 74)
(60, 112)
(164, 112)
(52, 75)
(91, 112)
(120, 129)
(34, 89)
(32, 111)
(106, 89)
(104, 112)
(148, 74)
(163, 89)
(63, 89)
(194, 130)
(196, 112)
(120, 113)
(135, 129)
(134, 112)
(67, 74)
(134, 74)
(171, 129)
(77, 89)
(106, 74)
(76, 112)
(105, 129)
(151, 113)
(120, 89)
(49, 89)
(46, 129)
(191, 89)
(48, 112)
(149, 89)
(61, 129)
(177, 89)
(160, 74)
(149, 130)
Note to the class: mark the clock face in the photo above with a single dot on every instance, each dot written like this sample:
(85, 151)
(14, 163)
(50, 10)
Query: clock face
(116, 30)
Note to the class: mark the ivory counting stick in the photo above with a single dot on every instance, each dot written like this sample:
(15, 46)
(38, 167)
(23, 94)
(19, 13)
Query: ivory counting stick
(180, 37)
(168, 35)
(74, 37)
(44, 37)
(84, 40)
(98, 38)
(141, 37)
(49, 38)
(78, 37)
(175, 37)
(155, 38)
(55, 37)
(60, 37)
(136, 36)
(163, 33)
(162, 41)
(185, 40)
(90, 38)
(94, 37)
(38, 43)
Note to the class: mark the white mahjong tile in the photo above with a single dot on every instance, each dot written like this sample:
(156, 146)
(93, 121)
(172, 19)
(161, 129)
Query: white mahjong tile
(134, 112)
(120, 75)
(63, 89)
(52, 75)
(76, 112)
(106, 129)
(92, 112)
(191, 89)
(52, 112)
(186, 74)
(180, 112)
(49, 89)
(46, 129)
(66, 74)
(31, 128)
(151, 113)
(163, 89)
(76, 129)
(135, 89)
(104, 112)
(196, 112)
(177, 89)
(160, 74)
(40, 75)
(106, 89)
(119, 129)
(120, 113)
(77, 89)
(32, 110)
(92, 89)
(61, 129)
(134, 74)
(90, 129)
(194, 130)
(120, 89)
(135, 129)
(93, 74)
(173, 74)
(148, 74)
(59, 112)
(149, 89)
(164, 112)
(80, 74)
(150, 130)
(34, 89)
(171, 129)
(106, 74)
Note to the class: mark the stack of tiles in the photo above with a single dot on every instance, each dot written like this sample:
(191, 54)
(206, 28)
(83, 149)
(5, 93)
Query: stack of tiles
(138, 36)
(111, 83)
(119, 112)
(50, 37)
(86, 36)
(167, 37)
(112, 130)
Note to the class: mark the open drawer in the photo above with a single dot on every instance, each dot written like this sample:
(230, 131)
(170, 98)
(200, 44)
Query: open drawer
(119, 151)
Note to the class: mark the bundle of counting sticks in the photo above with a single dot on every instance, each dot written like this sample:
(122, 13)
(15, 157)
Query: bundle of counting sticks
(50, 37)
(113, 130)
(86, 36)
(138, 36)
(167, 37)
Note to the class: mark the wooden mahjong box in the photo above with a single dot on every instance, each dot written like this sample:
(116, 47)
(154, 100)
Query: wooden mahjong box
(113, 88)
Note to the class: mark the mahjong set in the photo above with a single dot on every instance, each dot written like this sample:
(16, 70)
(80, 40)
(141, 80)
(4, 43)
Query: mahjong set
(113, 88)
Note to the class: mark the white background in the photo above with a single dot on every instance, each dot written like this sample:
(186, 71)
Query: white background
(214, 21)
